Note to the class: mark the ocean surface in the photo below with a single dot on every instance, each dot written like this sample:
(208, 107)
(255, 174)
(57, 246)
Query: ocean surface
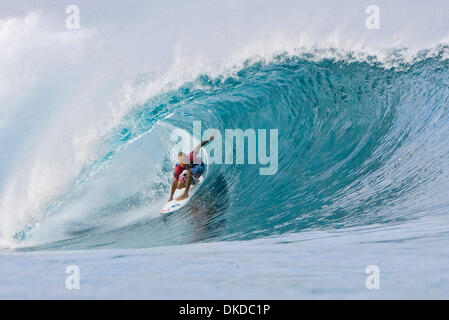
(85, 164)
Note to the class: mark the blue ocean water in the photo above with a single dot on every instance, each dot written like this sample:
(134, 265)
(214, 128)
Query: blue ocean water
(362, 180)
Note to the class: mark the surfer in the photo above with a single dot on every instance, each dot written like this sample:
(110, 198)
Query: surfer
(193, 167)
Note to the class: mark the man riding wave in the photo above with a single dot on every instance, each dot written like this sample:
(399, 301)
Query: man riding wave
(193, 167)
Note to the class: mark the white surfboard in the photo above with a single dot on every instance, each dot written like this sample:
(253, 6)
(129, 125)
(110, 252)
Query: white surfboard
(175, 205)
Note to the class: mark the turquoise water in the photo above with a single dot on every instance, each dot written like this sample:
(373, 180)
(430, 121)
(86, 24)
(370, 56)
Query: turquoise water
(358, 145)
(362, 180)
(412, 259)
(362, 174)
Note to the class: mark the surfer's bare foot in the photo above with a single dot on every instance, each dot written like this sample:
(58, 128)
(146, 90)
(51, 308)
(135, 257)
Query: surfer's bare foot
(182, 197)
(170, 199)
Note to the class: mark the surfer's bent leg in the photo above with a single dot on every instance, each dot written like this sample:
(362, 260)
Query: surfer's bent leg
(176, 174)
(181, 184)
(173, 189)
(188, 183)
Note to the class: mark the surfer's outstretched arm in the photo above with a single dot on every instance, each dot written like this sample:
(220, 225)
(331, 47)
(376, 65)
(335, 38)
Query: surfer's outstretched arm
(203, 143)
